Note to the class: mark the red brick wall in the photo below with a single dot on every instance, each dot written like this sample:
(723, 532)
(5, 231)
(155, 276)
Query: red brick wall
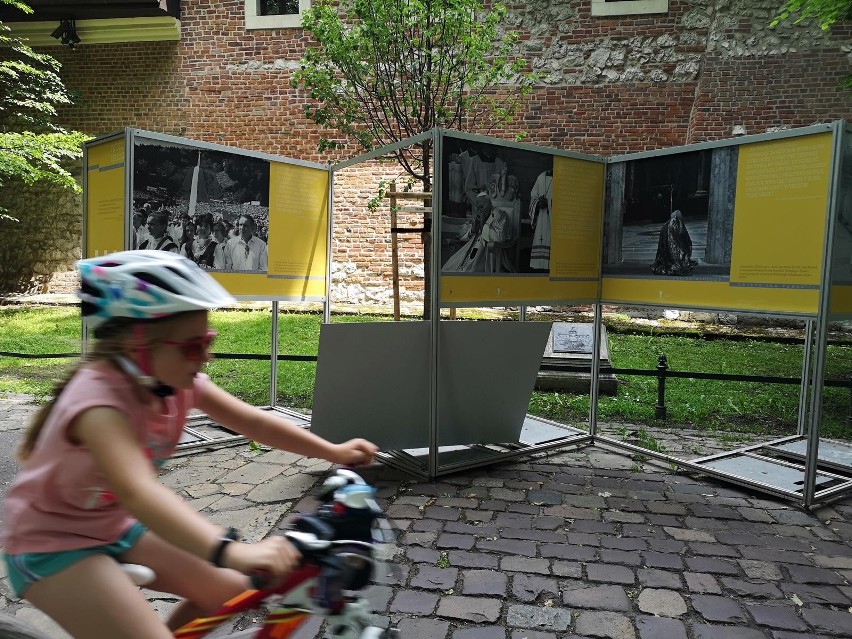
(208, 86)
(761, 93)
(610, 86)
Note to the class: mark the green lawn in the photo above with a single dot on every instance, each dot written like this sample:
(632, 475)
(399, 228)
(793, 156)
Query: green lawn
(736, 406)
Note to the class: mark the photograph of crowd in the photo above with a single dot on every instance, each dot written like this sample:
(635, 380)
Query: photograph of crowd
(497, 204)
(211, 206)
(672, 215)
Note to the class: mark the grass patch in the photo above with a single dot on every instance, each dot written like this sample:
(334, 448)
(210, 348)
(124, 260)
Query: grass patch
(726, 406)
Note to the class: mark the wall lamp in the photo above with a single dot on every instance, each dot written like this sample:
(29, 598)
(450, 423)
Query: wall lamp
(66, 33)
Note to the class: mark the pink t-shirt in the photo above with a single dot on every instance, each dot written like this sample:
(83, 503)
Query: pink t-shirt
(60, 500)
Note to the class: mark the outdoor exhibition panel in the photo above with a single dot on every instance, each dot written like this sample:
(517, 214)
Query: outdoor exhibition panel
(464, 387)
(535, 230)
(732, 225)
(258, 223)
(738, 225)
(288, 201)
(518, 225)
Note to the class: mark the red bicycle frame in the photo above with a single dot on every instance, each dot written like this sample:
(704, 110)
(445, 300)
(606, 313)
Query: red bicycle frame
(279, 623)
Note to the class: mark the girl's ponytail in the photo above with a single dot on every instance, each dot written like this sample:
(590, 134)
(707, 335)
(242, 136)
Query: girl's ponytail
(25, 448)
(107, 345)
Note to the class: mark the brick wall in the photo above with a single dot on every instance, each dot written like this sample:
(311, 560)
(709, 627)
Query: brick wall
(608, 86)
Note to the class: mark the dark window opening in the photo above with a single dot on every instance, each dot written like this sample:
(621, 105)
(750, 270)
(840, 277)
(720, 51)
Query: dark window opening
(279, 7)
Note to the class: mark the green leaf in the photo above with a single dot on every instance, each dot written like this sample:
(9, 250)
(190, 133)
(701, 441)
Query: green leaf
(32, 146)
(386, 70)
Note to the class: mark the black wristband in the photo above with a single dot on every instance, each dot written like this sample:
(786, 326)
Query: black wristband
(219, 552)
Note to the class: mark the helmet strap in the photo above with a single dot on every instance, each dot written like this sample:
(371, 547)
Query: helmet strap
(142, 371)
(152, 384)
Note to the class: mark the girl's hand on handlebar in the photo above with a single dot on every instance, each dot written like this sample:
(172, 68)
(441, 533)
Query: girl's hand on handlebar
(274, 556)
(355, 452)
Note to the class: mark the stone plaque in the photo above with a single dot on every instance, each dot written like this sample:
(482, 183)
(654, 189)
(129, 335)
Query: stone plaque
(567, 359)
(573, 340)
(565, 338)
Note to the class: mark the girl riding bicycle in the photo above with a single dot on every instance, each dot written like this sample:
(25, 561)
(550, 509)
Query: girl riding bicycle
(87, 493)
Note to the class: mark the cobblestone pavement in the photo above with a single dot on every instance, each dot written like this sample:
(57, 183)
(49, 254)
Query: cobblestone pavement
(567, 545)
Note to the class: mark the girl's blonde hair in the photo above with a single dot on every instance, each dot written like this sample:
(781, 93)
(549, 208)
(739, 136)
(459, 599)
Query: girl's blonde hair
(110, 342)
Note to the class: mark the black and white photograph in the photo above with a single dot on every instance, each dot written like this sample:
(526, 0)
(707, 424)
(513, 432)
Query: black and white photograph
(841, 253)
(497, 202)
(211, 206)
(672, 215)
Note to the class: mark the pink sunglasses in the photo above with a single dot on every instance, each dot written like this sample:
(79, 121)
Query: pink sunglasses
(196, 348)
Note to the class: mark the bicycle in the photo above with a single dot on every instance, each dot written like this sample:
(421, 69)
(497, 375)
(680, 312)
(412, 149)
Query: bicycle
(337, 544)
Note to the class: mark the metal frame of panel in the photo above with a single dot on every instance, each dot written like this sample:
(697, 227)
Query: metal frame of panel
(202, 441)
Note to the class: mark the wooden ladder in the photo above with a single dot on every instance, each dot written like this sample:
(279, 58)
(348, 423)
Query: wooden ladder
(426, 211)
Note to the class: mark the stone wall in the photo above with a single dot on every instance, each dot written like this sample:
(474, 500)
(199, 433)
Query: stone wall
(706, 70)
(44, 240)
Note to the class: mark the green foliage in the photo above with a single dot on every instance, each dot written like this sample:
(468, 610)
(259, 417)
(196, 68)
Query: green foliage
(387, 70)
(32, 146)
(826, 12)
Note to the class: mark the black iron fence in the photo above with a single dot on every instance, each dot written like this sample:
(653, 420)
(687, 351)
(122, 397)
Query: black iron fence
(661, 372)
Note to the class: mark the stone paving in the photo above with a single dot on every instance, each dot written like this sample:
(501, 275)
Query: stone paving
(577, 544)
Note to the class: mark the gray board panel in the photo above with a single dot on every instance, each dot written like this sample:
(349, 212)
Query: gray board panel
(372, 382)
(486, 375)
(764, 471)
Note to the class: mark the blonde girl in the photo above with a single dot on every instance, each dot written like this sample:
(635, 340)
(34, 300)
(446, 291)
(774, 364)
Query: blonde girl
(87, 496)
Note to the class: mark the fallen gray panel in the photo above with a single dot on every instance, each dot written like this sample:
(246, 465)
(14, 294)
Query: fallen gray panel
(372, 381)
(536, 431)
(839, 455)
(456, 454)
(188, 436)
(765, 471)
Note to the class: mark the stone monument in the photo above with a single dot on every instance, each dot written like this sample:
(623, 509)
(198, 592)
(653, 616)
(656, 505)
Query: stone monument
(567, 360)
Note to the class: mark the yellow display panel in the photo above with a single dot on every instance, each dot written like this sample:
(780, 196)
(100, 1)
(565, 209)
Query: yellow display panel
(505, 291)
(780, 212)
(298, 229)
(105, 168)
(576, 226)
(574, 248)
(840, 302)
(685, 293)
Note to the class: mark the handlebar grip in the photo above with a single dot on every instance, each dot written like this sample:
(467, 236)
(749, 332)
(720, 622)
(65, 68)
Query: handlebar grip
(260, 579)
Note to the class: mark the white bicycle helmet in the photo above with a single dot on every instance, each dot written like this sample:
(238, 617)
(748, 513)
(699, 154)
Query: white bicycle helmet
(145, 285)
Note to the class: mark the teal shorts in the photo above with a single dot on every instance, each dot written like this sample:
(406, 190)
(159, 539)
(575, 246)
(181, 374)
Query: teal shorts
(27, 568)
